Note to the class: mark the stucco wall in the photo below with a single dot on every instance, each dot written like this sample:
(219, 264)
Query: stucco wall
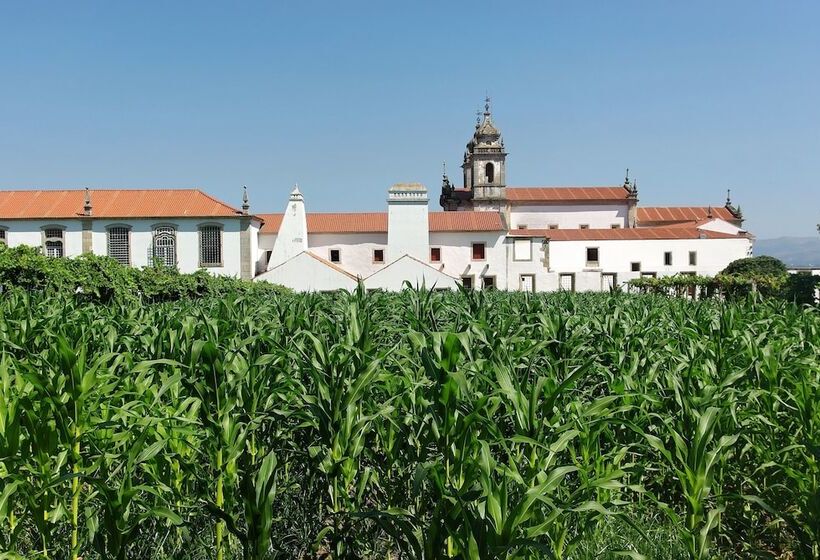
(356, 250)
(568, 216)
(28, 232)
(457, 253)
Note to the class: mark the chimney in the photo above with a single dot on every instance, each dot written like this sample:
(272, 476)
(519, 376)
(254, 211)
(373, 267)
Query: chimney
(87, 203)
(292, 236)
(408, 230)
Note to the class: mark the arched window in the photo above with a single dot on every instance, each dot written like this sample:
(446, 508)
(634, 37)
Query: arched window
(164, 250)
(489, 170)
(53, 241)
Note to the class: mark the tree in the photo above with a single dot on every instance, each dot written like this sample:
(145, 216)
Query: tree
(756, 266)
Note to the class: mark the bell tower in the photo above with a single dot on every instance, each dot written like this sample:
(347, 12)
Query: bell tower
(485, 164)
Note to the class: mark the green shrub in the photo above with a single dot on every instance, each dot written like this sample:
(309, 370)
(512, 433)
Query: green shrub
(756, 266)
(93, 277)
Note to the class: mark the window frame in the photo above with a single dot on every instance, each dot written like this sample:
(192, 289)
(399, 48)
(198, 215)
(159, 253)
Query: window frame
(489, 172)
(528, 258)
(693, 258)
(597, 262)
(553, 226)
(330, 255)
(667, 258)
(380, 260)
(483, 251)
(649, 274)
(438, 260)
(155, 234)
(221, 230)
(614, 226)
(46, 238)
(583, 226)
(571, 275)
(127, 229)
(490, 277)
(614, 276)
(4, 236)
(471, 278)
(632, 267)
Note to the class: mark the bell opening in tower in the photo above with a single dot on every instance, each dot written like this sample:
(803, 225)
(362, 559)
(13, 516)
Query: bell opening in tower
(489, 170)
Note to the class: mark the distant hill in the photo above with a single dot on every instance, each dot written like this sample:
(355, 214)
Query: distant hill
(794, 251)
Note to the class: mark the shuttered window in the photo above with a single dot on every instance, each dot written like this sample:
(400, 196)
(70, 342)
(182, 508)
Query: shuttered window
(3, 237)
(210, 246)
(119, 244)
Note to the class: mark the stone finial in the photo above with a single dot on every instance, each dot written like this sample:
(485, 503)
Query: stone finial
(728, 197)
(245, 205)
(709, 212)
(87, 208)
(296, 194)
(626, 179)
(487, 106)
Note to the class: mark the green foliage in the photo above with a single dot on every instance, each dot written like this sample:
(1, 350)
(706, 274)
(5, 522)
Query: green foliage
(756, 266)
(801, 287)
(92, 277)
(421, 425)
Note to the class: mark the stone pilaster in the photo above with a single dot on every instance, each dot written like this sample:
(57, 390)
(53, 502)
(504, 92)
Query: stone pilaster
(245, 264)
(88, 246)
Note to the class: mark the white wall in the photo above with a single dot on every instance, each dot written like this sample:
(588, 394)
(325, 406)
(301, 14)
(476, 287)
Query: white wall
(304, 273)
(356, 250)
(407, 269)
(187, 242)
(29, 232)
(568, 216)
(457, 255)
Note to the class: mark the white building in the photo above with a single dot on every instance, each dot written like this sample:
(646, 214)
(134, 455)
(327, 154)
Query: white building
(489, 234)
(184, 228)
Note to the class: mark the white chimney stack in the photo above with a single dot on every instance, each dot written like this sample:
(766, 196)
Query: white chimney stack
(292, 236)
(408, 230)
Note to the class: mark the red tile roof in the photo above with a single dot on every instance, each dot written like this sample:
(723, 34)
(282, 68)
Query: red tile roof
(644, 233)
(656, 214)
(113, 203)
(376, 222)
(566, 194)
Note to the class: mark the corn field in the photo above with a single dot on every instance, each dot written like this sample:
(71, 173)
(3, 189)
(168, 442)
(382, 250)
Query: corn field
(419, 425)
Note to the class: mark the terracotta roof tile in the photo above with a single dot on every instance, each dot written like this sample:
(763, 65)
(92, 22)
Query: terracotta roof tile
(643, 233)
(565, 194)
(112, 203)
(670, 214)
(376, 222)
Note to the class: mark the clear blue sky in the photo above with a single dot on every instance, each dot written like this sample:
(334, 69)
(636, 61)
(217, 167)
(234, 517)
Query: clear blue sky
(346, 98)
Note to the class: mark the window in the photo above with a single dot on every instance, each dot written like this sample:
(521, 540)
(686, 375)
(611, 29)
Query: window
(635, 267)
(378, 255)
(164, 250)
(649, 274)
(693, 258)
(467, 282)
(553, 226)
(119, 244)
(53, 242)
(615, 226)
(3, 237)
(592, 256)
(566, 282)
(489, 169)
(522, 250)
(435, 254)
(528, 282)
(522, 226)
(488, 282)
(584, 226)
(667, 258)
(608, 281)
(478, 251)
(210, 245)
(335, 255)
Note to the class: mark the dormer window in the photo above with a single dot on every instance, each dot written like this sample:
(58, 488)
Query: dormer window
(489, 169)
